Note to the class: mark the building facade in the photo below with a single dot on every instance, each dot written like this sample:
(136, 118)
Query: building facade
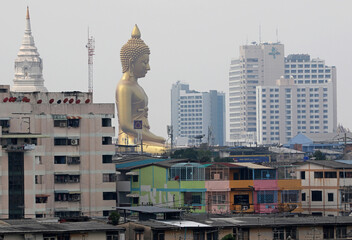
(257, 65)
(286, 109)
(272, 97)
(197, 117)
(56, 155)
(55, 147)
(326, 188)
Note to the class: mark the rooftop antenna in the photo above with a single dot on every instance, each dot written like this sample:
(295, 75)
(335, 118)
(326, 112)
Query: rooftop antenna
(260, 33)
(91, 52)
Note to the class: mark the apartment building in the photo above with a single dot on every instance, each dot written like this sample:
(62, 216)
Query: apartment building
(197, 117)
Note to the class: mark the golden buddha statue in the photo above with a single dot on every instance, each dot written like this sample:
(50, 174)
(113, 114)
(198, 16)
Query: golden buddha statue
(131, 100)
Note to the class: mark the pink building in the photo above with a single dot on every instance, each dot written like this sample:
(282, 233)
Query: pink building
(55, 148)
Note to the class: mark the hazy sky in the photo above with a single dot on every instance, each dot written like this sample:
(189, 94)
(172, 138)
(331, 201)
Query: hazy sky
(190, 40)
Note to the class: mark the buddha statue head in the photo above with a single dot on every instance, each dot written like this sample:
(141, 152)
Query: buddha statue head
(135, 55)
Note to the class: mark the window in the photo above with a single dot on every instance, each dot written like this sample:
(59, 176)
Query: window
(73, 123)
(158, 235)
(318, 175)
(328, 232)
(138, 234)
(109, 195)
(303, 197)
(38, 179)
(330, 174)
(73, 160)
(60, 160)
(341, 232)
(65, 178)
(198, 235)
(317, 196)
(303, 175)
(330, 197)
(60, 123)
(107, 140)
(112, 235)
(135, 178)
(41, 199)
(266, 196)
(107, 158)
(241, 200)
(279, 233)
(67, 197)
(109, 177)
(289, 196)
(106, 122)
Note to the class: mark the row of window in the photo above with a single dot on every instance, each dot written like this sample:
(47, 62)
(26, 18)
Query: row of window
(73, 178)
(328, 174)
(64, 141)
(305, 66)
(105, 122)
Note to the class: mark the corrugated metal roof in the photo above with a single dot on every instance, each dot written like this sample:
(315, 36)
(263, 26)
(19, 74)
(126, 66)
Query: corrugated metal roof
(138, 163)
(251, 165)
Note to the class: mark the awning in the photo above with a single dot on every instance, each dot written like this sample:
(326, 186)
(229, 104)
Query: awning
(4, 118)
(42, 195)
(73, 117)
(67, 173)
(61, 191)
(133, 173)
(133, 195)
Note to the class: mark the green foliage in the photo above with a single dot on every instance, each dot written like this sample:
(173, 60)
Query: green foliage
(193, 153)
(114, 218)
(228, 237)
(318, 155)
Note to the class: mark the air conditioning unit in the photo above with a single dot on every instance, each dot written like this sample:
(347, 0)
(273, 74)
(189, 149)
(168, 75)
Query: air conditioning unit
(244, 208)
(74, 142)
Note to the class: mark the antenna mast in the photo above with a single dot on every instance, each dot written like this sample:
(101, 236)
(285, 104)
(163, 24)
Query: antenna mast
(91, 52)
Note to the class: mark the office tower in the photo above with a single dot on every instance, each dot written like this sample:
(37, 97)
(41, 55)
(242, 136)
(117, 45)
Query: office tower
(257, 65)
(303, 101)
(197, 117)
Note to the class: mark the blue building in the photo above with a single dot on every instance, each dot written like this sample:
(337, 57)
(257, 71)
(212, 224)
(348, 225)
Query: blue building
(311, 142)
(197, 117)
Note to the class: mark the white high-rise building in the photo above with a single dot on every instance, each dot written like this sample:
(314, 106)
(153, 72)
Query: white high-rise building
(257, 65)
(197, 117)
(304, 101)
(28, 65)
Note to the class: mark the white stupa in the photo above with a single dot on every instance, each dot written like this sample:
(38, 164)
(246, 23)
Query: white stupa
(28, 65)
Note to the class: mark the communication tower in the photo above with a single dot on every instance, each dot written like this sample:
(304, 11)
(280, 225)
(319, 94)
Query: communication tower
(91, 52)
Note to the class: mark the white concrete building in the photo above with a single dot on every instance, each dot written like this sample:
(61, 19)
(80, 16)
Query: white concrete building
(257, 65)
(197, 117)
(304, 102)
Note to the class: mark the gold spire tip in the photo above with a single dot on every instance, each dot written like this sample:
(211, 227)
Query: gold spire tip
(27, 17)
(135, 32)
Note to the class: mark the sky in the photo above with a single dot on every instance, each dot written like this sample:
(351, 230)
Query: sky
(192, 41)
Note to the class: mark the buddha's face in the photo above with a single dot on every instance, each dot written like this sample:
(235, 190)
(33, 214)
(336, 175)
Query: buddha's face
(141, 66)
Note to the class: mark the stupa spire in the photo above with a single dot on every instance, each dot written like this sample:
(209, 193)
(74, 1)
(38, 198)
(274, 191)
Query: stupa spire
(28, 65)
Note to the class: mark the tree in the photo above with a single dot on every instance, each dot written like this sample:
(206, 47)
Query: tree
(318, 155)
(228, 237)
(114, 218)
